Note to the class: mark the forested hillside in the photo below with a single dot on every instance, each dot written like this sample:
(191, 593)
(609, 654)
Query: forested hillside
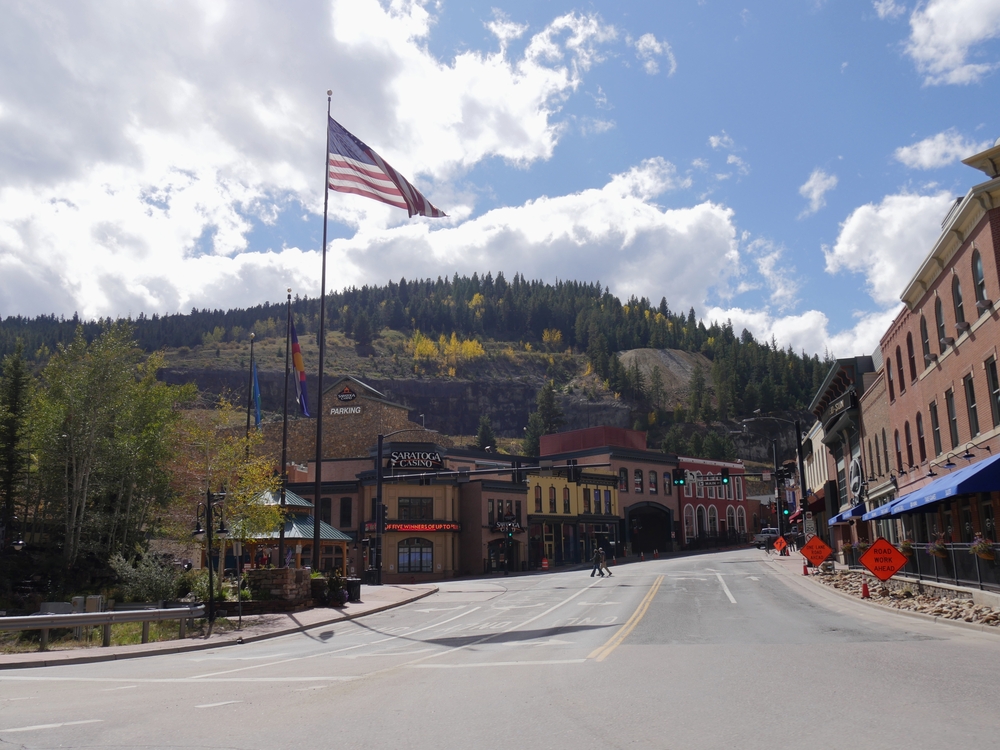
(570, 315)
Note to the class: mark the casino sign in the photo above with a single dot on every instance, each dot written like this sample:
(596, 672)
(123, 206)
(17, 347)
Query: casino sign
(415, 460)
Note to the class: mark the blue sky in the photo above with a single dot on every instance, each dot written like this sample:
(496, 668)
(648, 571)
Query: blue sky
(784, 165)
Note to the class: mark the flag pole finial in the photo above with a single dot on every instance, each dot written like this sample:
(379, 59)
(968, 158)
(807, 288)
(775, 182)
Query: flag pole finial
(329, 92)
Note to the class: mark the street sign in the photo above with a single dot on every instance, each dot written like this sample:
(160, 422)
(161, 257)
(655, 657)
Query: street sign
(780, 543)
(810, 528)
(714, 482)
(765, 476)
(816, 550)
(809, 515)
(883, 560)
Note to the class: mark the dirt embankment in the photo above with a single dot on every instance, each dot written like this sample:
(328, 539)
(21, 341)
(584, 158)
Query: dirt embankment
(676, 369)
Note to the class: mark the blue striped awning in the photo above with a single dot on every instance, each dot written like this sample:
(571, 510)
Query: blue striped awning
(982, 476)
(879, 512)
(844, 516)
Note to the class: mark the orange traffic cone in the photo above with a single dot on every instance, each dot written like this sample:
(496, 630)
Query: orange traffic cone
(545, 563)
(864, 590)
(642, 557)
(805, 568)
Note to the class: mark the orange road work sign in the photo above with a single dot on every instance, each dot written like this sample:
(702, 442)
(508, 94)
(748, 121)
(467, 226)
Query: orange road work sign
(883, 560)
(816, 550)
(780, 543)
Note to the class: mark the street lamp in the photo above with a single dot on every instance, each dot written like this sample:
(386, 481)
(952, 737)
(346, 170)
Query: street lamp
(379, 508)
(213, 502)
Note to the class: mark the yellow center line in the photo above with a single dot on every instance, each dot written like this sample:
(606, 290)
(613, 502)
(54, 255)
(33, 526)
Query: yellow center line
(602, 653)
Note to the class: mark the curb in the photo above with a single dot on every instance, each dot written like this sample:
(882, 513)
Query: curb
(236, 640)
(992, 629)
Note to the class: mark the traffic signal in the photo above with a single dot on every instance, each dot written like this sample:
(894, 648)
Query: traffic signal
(725, 475)
(679, 477)
(510, 533)
(517, 475)
(784, 512)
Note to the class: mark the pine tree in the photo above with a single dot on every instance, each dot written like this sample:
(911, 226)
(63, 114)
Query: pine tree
(486, 438)
(15, 394)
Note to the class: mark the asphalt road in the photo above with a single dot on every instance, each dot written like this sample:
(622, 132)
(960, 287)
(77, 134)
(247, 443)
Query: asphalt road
(713, 651)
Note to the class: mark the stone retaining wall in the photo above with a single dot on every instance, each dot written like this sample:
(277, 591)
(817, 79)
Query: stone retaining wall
(283, 584)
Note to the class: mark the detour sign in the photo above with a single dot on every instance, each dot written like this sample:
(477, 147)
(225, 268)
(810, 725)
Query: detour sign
(816, 550)
(883, 560)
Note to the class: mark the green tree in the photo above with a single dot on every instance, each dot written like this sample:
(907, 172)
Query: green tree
(548, 409)
(696, 397)
(656, 387)
(15, 397)
(532, 434)
(486, 437)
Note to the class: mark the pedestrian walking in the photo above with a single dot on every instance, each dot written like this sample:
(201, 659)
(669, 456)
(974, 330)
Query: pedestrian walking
(604, 563)
(597, 562)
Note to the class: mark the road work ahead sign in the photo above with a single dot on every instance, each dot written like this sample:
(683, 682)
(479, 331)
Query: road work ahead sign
(883, 560)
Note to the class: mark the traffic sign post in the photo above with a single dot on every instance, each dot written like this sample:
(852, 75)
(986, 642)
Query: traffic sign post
(780, 544)
(883, 559)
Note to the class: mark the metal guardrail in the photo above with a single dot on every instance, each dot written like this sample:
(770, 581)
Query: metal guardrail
(106, 619)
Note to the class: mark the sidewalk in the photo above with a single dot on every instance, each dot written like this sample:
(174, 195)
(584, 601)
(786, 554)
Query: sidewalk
(255, 628)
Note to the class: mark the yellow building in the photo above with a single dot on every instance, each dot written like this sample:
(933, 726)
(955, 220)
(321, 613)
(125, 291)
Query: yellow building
(569, 512)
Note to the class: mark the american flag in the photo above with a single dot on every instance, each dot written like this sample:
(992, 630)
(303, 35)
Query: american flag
(355, 168)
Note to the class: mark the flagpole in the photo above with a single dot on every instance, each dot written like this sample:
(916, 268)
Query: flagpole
(284, 431)
(249, 395)
(322, 346)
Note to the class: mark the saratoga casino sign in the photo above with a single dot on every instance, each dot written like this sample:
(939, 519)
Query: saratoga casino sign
(416, 460)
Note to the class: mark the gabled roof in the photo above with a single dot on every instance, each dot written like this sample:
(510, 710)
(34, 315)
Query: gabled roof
(291, 499)
(301, 527)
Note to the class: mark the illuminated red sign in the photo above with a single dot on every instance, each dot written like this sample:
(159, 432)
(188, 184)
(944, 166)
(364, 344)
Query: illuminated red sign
(416, 526)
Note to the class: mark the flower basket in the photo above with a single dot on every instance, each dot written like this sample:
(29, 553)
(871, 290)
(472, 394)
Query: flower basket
(937, 548)
(982, 548)
(906, 547)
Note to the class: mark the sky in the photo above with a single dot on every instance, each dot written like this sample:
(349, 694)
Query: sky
(783, 164)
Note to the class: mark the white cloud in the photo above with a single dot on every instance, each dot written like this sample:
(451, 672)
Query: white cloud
(945, 34)
(648, 48)
(741, 166)
(888, 8)
(939, 150)
(720, 141)
(815, 189)
(777, 274)
(887, 242)
(614, 234)
(504, 29)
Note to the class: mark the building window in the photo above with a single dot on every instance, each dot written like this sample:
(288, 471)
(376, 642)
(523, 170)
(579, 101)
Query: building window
(730, 519)
(416, 509)
(552, 500)
(741, 520)
(994, 387)
(885, 449)
(607, 502)
(925, 341)
(871, 456)
(688, 523)
(538, 499)
(921, 445)
(326, 510)
(652, 483)
(586, 499)
(729, 490)
(623, 480)
(699, 487)
(939, 320)
(956, 297)
(566, 500)
(949, 403)
(346, 508)
(911, 357)
(899, 366)
(888, 379)
(711, 487)
(738, 481)
(689, 480)
(638, 480)
(970, 404)
(489, 512)
(517, 512)
(415, 556)
(935, 428)
(878, 457)
(909, 445)
(979, 282)
(713, 520)
(899, 454)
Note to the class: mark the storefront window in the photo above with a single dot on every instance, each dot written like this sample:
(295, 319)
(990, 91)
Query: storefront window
(346, 508)
(415, 556)
(713, 520)
(652, 483)
(416, 509)
(741, 520)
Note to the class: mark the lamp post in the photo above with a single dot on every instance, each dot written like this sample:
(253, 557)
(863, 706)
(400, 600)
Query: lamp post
(379, 510)
(213, 501)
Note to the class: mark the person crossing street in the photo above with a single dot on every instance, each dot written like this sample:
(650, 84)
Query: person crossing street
(597, 562)
(604, 563)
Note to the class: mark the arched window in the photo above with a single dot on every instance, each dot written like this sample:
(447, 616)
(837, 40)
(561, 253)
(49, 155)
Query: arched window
(738, 481)
(711, 487)
(899, 453)
(586, 499)
(885, 449)
(899, 367)
(939, 321)
(921, 445)
(538, 498)
(912, 359)
(713, 520)
(415, 556)
(871, 456)
(652, 483)
(925, 341)
(956, 298)
(623, 480)
(566, 508)
(688, 523)
(888, 379)
(552, 500)
(638, 480)
(909, 445)
(699, 487)
(741, 520)
(730, 519)
(878, 457)
(979, 282)
(702, 525)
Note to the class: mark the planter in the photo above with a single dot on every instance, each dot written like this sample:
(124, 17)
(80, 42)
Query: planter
(943, 554)
(986, 556)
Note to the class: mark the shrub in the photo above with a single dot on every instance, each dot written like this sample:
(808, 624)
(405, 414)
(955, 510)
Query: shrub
(149, 580)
